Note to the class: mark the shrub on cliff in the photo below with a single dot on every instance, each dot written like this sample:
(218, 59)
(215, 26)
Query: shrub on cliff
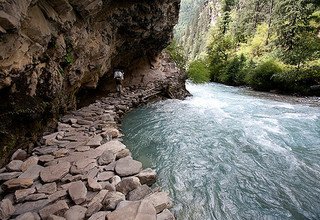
(176, 53)
(198, 71)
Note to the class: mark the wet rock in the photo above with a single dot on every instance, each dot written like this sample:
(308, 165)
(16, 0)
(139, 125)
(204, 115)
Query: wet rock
(59, 206)
(8, 176)
(33, 206)
(128, 184)
(160, 200)
(139, 193)
(17, 183)
(31, 161)
(165, 215)
(78, 192)
(14, 165)
(48, 188)
(127, 167)
(99, 216)
(19, 155)
(28, 216)
(134, 210)
(6, 209)
(93, 184)
(106, 158)
(75, 213)
(105, 176)
(32, 172)
(54, 172)
(147, 176)
(22, 193)
(112, 199)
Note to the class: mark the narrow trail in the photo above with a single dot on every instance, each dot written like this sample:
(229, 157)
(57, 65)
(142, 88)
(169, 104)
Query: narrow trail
(83, 171)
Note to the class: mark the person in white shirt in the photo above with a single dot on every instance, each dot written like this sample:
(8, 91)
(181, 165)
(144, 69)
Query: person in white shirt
(119, 77)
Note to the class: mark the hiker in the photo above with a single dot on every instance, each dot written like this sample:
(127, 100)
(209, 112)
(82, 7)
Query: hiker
(119, 76)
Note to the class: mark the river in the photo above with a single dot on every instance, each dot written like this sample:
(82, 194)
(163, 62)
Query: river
(229, 153)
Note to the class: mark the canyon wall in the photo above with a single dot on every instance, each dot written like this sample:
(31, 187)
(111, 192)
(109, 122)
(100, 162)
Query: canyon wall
(51, 50)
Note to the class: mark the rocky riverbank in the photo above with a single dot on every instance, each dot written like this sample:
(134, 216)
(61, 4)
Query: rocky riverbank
(83, 171)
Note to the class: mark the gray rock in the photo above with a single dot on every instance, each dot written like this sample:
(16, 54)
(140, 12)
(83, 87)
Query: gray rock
(46, 158)
(57, 195)
(9, 176)
(165, 215)
(110, 167)
(95, 141)
(45, 150)
(83, 166)
(128, 184)
(69, 178)
(14, 165)
(84, 122)
(93, 172)
(105, 176)
(48, 188)
(54, 172)
(94, 185)
(28, 216)
(35, 197)
(55, 217)
(147, 176)
(61, 153)
(59, 206)
(106, 158)
(160, 200)
(93, 208)
(78, 192)
(17, 183)
(123, 153)
(31, 161)
(76, 212)
(82, 148)
(19, 155)
(6, 209)
(99, 216)
(128, 167)
(32, 172)
(115, 146)
(30, 206)
(108, 186)
(98, 198)
(134, 210)
(22, 193)
(112, 199)
(115, 180)
(139, 193)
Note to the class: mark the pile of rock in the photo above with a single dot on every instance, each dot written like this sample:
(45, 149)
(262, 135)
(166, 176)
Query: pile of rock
(83, 171)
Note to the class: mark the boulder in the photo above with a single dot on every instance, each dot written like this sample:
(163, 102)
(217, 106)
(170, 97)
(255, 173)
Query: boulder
(134, 210)
(98, 198)
(28, 216)
(105, 176)
(160, 200)
(139, 193)
(165, 215)
(99, 216)
(94, 185)
(147, 176)
(95, 207)
(128, 167)
(123, 153)
(54, 172)
(107, 157)
(78, 192)
(128, 184)
(14, 165)
(59, 206)
(112, 199)
(95, 141)
(6, 209)
(115, 146)
(76, 212)
(19, 155)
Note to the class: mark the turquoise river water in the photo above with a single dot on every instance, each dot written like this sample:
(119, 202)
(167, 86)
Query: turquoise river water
(227, 154)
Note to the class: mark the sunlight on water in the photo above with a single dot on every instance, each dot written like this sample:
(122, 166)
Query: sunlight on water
(223, 154)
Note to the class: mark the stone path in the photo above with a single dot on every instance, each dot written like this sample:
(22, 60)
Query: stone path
(83, 171)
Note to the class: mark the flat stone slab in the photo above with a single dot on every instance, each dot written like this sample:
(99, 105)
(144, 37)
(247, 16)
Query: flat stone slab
(48, 188)
(30, 206)
(22, 193)
(94, 185)
(32, 172)
(99, 215)
(115, 146)
(112, 199)
(58, 206)
(165, 215)
(6, 209)
(54, 172)
(133, 211)
(76, 212)
(139, 193)
(105, 176)
(95, 141)
(160, 200)
(128, 167)
(29, 216)
(78, 192)
(128, 184)
(14, 165)
(107, 157)
(9, 176)
(18, 183)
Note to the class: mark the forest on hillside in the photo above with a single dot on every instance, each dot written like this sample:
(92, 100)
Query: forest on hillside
(265, 44)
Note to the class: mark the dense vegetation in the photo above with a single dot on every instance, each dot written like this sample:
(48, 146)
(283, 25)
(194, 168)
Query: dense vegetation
(266, 44)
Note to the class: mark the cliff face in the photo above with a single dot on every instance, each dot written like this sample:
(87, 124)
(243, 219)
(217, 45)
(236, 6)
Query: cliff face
(52, 49)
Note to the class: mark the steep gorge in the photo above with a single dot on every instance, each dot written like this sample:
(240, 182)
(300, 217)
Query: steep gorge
(50, 51)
